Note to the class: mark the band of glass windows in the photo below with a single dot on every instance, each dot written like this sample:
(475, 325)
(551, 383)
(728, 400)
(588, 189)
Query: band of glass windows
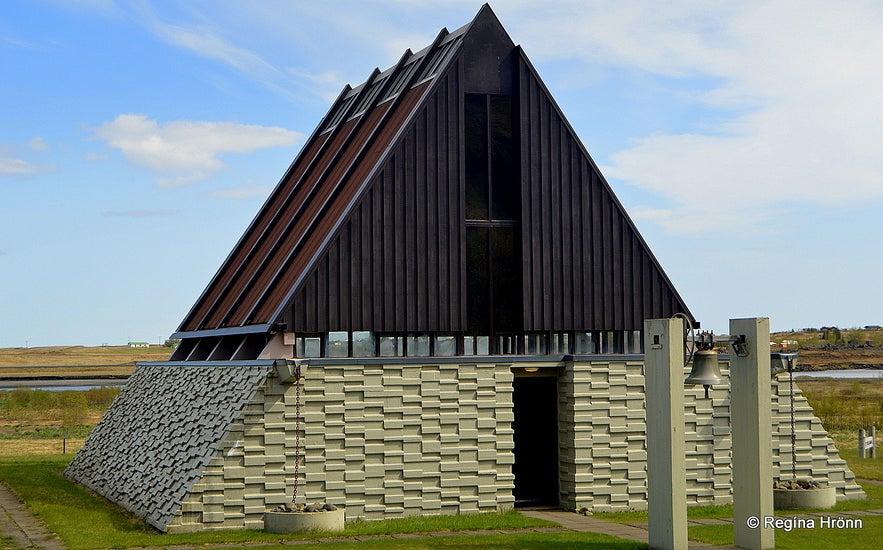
(369, 344)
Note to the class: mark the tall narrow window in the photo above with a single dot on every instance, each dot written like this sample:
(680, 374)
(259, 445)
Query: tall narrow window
(477, 201)
(493, 213)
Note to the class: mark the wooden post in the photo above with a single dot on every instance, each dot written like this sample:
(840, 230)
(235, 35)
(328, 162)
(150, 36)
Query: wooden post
(666, 459)
(874, 440)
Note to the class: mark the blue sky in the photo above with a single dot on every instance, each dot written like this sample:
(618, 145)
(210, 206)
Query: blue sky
(138, 140)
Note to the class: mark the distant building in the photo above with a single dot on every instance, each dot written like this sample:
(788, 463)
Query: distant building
(139, 344)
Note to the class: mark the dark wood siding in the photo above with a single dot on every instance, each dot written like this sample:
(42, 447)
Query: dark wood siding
(367, 229)
(585, 267)
(395, 264)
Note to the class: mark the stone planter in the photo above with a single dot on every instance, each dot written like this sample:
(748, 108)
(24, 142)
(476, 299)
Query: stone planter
(293, 522)
(804, 499)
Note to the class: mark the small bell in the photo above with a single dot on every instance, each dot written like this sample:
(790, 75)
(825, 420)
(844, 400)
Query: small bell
(705, 370)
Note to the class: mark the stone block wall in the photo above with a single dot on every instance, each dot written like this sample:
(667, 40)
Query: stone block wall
(602, 434)
(392, 440)
(381, 440)
(212, 446)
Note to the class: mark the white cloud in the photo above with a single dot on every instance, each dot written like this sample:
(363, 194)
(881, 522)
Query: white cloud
(38, 144)
(12, 166)
(207, 40)
(182, 151)
(207, 43)
(326, 85)
(801, 84)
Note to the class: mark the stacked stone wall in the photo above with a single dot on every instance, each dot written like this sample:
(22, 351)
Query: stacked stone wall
(602, 431)
(213, 447)
(381, 440)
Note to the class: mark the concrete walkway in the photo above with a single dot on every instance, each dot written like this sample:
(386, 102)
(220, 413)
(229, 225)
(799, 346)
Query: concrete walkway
(20, 524)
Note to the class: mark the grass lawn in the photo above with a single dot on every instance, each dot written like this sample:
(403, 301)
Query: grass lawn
(869, 536)
(553, 541)
(866, 538)
(844, 405)
(85, 520)
(863, 468)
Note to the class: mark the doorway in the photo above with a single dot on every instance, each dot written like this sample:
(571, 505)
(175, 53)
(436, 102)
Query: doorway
(535, 400)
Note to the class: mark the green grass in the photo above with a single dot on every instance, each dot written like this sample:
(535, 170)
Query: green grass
(66, 508)
(553, 541)
(41, 414)
(844, 405)
(863, 468)
(799, 539)
(866, 538)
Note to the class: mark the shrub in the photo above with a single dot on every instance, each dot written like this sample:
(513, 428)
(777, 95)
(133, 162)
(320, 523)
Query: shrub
(101, 397)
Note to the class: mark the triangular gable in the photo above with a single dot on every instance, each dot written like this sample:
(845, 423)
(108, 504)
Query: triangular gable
(586, 266)
(366, 230)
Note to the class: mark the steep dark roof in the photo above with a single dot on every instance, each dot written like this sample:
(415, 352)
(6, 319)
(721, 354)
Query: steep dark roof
(365, 231)
(333, 167)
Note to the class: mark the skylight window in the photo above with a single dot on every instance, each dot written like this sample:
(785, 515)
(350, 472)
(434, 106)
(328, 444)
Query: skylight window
(369, 96)
(338, 114)
(401, 78)
(437, 58)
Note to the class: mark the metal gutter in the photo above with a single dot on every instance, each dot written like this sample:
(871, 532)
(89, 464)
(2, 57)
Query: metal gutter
(226, 331)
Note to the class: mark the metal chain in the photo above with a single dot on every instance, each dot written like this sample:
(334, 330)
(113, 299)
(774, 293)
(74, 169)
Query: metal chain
(297, 383)
(793, 435)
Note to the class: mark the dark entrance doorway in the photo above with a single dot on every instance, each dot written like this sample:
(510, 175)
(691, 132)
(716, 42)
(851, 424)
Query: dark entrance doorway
(536, 440)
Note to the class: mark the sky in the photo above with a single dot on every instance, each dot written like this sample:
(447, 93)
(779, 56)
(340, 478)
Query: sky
(139, 138)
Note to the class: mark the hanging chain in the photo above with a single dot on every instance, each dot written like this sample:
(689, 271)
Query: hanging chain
(793, 434)
(297, 382)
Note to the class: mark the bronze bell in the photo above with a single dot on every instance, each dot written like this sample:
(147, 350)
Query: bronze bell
(705, 370)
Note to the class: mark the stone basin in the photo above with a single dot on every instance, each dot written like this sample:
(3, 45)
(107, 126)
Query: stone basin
(804, 499)
(293, 522)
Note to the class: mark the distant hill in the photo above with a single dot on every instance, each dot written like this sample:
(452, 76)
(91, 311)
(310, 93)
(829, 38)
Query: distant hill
(834, 348)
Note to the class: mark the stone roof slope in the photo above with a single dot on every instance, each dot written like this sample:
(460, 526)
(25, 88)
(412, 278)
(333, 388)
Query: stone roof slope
(156, 439)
